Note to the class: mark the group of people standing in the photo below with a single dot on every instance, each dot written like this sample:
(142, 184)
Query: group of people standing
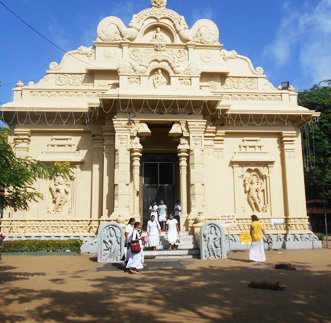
(159, 221)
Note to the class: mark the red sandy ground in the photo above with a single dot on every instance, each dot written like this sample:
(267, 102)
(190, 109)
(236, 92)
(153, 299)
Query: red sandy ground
(71, 289)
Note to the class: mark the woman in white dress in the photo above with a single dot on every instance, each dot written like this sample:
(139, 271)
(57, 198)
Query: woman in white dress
(135, 261)
(153, 233)
(173, 231)
(128, 236)
(154, 210)
(162, 214)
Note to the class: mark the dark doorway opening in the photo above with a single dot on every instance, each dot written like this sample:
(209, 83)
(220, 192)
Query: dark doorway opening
(160, 182)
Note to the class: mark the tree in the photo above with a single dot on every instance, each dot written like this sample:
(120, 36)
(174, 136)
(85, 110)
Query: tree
(317, 143)
(18, 175)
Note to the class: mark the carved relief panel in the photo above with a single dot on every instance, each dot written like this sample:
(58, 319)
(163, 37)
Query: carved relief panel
(61, 195)
(252, 168)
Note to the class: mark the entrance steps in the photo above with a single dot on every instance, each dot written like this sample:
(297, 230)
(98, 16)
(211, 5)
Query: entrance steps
(186, 249)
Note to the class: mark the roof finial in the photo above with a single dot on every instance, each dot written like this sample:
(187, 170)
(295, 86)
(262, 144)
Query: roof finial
(159, 4)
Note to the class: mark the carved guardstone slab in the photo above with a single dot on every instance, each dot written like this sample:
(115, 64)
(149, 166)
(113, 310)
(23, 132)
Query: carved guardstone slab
(110, 242)
(212, 241)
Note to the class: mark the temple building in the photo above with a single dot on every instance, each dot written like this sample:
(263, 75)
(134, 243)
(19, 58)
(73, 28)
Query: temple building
(157, 110)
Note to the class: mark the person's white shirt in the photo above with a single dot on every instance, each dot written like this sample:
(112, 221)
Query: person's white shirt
(154, 212)
(163, 213)
(129, 231)
(178, 210)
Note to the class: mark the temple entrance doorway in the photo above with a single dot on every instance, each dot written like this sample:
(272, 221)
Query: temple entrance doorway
(159, 182)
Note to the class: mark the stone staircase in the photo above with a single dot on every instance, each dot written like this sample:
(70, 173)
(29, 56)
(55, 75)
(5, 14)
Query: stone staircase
(186, 249)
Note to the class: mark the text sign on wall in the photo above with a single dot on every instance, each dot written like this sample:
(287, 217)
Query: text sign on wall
(277, 221)
(228, 220)
(245, 238)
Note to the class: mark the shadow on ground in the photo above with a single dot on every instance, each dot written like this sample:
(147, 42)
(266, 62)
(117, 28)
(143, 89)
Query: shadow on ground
(209, 293)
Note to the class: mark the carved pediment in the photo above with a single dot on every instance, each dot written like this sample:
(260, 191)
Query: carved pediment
(252, 150)
(61, 149)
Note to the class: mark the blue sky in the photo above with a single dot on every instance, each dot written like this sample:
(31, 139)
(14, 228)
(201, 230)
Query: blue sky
(290, 39)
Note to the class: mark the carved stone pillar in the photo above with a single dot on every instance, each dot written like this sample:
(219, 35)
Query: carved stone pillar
(197, 188)
(108, 169)
(97, 174)
(135, 155)
(183, 155)
(22, 141)
(122, 168)
(293, 177)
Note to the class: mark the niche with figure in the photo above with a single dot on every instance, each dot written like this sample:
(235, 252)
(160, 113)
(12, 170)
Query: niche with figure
(158, 34)
(159, 78)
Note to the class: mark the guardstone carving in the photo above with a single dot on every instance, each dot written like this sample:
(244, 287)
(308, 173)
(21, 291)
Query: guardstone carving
(110, 242)
(212, 241)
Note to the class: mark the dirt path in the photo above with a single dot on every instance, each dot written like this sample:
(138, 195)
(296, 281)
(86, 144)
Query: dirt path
(78, 289)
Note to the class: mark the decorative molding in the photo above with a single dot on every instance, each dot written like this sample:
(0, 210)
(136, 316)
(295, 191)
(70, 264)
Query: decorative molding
(240, 83)
(249, 97)
(288, 143)
(66, 94)
(74, 79)
(63, 149)
(252, 150)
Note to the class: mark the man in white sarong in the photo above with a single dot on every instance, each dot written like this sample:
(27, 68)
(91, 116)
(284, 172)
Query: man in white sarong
(256, 251)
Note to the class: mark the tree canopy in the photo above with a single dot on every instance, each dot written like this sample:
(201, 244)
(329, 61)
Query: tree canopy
(18, 175)
(317, 143)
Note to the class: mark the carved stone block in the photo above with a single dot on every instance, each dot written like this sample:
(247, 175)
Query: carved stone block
(110, 242)
(212, 241)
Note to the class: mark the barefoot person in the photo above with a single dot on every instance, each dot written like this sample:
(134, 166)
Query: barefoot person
(256, 251)
(154, 210)
(173, 231)
(128, 236)
(162, 215)
(153, 233)
(135, 261)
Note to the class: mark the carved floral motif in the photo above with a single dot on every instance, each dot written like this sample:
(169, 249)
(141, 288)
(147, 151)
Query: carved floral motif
(159, 4)
(240, 83)
(88, 51)
(74, 79)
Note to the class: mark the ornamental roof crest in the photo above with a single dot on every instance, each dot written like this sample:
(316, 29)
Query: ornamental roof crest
(112, 29)
(160, 4)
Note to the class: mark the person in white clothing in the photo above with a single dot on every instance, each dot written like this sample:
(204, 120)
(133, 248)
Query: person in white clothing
(162, 215)
(153, 233)
(178, 211)
(135, 261)
(173, 231)
(128, 237)
(154, 210)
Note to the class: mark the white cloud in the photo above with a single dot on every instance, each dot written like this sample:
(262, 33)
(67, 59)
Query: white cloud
(307, 30)
(206, 13)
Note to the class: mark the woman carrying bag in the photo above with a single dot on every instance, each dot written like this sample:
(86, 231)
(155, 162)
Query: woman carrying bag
(135, 261)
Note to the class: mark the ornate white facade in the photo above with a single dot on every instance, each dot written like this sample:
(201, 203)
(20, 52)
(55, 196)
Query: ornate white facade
(159, 88)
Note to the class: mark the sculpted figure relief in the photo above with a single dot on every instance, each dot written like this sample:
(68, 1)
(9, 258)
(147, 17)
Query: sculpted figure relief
(158, 36)
(212, 241)
(159, 79)
(60, 189)
(110, 242)
(112, 246)
(254, 187)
